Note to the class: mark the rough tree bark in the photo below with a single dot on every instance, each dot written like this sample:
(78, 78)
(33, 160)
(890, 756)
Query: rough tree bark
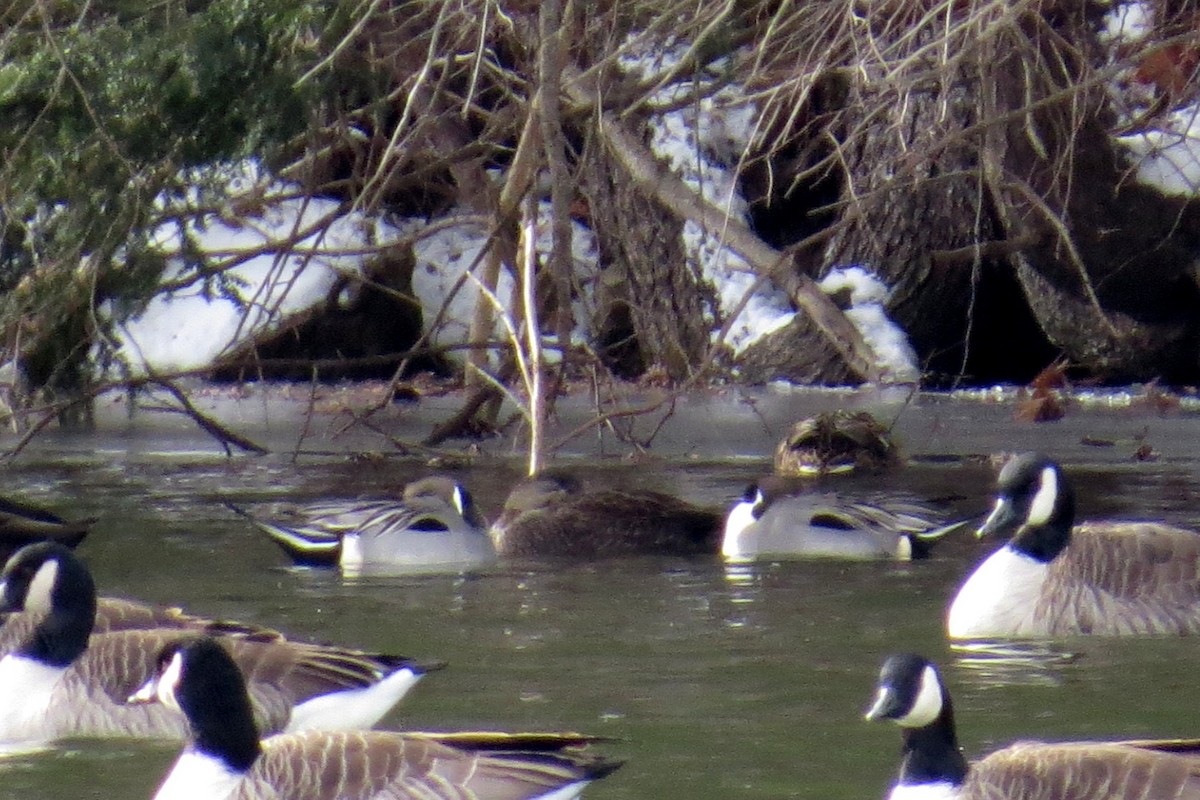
(1113, 285)
(915, 211)
(653, 306)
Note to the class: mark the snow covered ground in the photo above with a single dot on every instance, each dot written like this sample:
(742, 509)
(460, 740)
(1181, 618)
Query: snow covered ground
(1166, 151)
(191, 327)
(702, 141)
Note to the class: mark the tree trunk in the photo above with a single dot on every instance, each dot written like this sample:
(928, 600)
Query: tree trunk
(649, 289)
(1112, 286)
(914, 191)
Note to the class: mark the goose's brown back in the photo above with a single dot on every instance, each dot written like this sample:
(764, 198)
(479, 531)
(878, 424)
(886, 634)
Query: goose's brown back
(381, 765)
(1123, 578)
(1034, 771)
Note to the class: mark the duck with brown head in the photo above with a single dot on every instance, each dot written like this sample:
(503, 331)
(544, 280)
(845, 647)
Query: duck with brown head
(552, 515)
(434, 526)
(836, 442)
(777, 519)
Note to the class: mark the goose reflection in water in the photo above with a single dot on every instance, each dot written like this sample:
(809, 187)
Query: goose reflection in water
(989, 663)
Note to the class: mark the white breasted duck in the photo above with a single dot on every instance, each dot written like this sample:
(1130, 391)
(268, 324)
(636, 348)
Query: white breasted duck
(435, 525)
(777, 519)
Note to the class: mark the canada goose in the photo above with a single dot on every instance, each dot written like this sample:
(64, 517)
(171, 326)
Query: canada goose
(836, 442)
(119, 614)
(771, 519)
(552, 515)
(911, 694)
(22, 524)
(434, 524)
(1050, 579)
(60, 682)
(225, 758)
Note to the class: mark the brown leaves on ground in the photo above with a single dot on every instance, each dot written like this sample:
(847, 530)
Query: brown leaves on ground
(1044, 400)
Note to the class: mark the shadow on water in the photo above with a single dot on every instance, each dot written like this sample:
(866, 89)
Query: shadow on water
(740, 682)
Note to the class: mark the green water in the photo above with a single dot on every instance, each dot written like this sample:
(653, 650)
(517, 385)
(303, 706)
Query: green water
(713, 683)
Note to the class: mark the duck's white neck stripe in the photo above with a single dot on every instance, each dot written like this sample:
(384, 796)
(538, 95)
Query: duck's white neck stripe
(740, 517)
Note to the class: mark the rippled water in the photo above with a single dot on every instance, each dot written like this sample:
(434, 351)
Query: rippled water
(713, 682)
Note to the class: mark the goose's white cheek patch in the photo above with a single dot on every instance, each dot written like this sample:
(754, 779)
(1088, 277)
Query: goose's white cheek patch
(1043, 501)
(42, 587)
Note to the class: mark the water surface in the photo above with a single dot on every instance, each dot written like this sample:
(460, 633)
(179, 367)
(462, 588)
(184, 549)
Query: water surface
(713, 682)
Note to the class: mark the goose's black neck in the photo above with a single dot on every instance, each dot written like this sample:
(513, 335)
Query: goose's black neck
(931, 753)
(1046, 540)
(213, 695)
(62, 636)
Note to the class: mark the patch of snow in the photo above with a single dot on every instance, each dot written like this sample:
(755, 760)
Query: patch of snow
(886, 340)
(1127, 22)
(1169, 158)
(1166, 156)
(703, 142)
(190, 327)
(446, 253)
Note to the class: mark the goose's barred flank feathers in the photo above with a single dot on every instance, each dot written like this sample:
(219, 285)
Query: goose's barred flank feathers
(118, 614)
(383, 765)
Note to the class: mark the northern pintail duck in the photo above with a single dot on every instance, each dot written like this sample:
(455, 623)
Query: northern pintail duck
(225, 758)
(1053, 578)
(552, 515)
(62, 682)
(22, 523)
(433, 525)
(835, 442)
(775, 518)
(912, 694)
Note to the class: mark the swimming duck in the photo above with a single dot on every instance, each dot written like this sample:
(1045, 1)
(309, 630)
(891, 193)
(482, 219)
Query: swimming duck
(22, 524)
(435, 524)
(60, 682)
(773, 519)
(225, 758)
(836, 442)
(552, 515)
(1053, 579)
(911, 694)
